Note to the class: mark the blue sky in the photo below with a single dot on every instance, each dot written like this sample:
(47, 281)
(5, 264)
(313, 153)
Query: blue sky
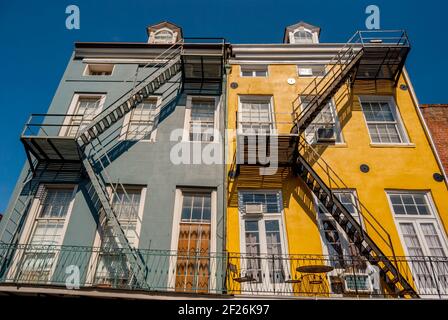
(36, 46)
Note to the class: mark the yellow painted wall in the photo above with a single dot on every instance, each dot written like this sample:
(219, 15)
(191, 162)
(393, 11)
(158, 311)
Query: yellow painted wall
(400, 167)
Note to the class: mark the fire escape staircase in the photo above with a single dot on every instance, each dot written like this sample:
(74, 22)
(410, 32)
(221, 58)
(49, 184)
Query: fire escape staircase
(54, 147)
(364, 57)
(99, 125)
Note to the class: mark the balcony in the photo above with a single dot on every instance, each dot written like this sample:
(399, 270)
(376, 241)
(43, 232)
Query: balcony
(203, 65)
(264, 139)
(212, 275)
(51, 137)
(384, 55)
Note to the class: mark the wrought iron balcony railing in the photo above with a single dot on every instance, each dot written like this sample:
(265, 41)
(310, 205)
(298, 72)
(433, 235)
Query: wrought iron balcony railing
(193, 272)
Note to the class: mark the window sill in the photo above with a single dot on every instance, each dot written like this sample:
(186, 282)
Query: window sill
(333, 145)
(392, 145)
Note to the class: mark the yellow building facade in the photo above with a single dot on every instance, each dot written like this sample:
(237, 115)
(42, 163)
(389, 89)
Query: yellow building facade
(368, 144)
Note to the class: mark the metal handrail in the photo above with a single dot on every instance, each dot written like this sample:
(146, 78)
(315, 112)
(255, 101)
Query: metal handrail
(215, 272)
(351, 48)
(336, 182)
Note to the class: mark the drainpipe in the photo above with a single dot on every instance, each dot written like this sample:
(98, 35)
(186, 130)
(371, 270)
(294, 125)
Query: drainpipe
(225, 149)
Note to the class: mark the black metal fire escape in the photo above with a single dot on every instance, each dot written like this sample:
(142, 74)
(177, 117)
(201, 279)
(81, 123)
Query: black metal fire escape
(367, 56)
(47, 147)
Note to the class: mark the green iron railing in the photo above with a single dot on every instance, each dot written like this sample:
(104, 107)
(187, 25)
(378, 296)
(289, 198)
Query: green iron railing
(192, 272)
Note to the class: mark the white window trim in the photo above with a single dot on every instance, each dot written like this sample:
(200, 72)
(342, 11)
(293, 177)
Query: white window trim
(127, 119)
(266, 216)
(261, 98)
(320, 216)
(433, 216)
(74, 104)
(87, 67)
(309, 66)
(187, 119)
(344, 241)
(255, 66)
(30, 225)
(315, 38)
(417, 219)
(337, 126)
(97, 241)
(178, 203)
(396, 113)
(152, 37)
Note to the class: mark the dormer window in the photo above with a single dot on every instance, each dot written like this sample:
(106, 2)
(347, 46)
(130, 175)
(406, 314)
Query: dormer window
(163, 36)
(164, 32)
(301, 33)
(303, 36)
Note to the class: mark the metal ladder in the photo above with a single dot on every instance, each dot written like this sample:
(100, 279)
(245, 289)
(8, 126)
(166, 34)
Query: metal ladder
(100, 179)
(353, 229)
(310, 102)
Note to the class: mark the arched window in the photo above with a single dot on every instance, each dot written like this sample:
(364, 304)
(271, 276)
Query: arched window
(163, 36)
(303, 36)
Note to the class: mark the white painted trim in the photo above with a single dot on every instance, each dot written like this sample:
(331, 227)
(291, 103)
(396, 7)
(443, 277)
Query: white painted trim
(30, 227)
(280, 216)
(152, 36)
(416, 220)
(91, 269)
(74, 104)
(88, 66)
(187, 118)
(434, 216)
(314, 36)
(396, 113)
(261, 98)
(178, 202)
(255, 66)
(127, 118)
(310, 66)
(337, 126)
(120, 61)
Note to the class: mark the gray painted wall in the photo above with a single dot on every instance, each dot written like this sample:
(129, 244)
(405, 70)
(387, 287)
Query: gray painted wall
(143, 163)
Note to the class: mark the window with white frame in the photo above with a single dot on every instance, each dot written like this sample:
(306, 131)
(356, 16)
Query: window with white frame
(84, 108)
(112, 267)
(303, 36)
(163, 36)
(53, 206)
(193, 269)
(202, 119)
(263, 237)
(141, 121)
(255, 115)
(352, 272)
(383, 121)
(423, 239)
(99, 69)
(316, 70)
(325, 128)
(337, 243)
(254, 70)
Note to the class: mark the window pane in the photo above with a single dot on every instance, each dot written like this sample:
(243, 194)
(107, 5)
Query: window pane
(381, 122)
(55, 203)
(411, 239)
(432, 239)
(202, 120)
(196, 207)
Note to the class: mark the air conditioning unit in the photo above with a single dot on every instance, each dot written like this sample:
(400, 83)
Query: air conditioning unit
(254, 208)
(325, 135)
(357, 282)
